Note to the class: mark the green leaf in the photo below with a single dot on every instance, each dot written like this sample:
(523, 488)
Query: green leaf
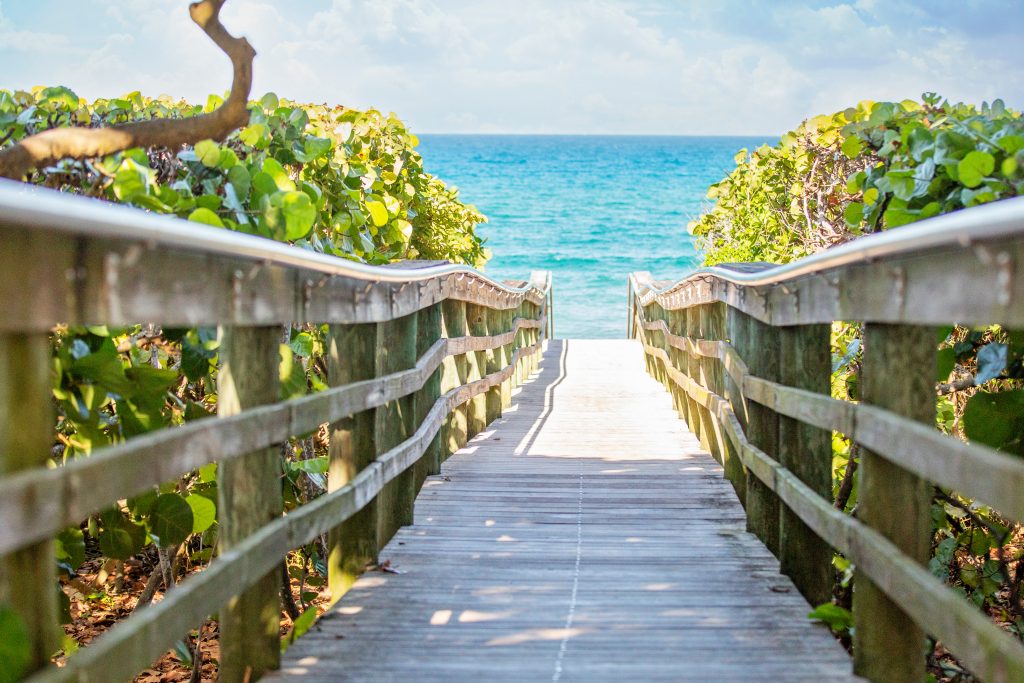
(973, 168)
(15, 647)
(269, 101)
(239, 178)
(252, 134)
(292, 375)
(837, 618)
(120, 538)
(299, 628)
(854, 214)
(996, 419)
(70, 547)
(302, 344)
(208, 473)
(131, 180)
(171, 519)
(103, 367)
(206, 217)
(299, 214)
(852, 147)
(228, 159)
(195, 361)
(276, 171)
(378, 213)
(208, 153)
(896, 216)
(204, 512)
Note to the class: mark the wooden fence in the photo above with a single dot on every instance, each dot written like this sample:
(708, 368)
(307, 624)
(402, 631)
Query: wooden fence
(745, 351)
(420, 358)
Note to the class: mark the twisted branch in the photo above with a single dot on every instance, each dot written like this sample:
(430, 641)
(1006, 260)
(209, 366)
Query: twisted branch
(51, 146)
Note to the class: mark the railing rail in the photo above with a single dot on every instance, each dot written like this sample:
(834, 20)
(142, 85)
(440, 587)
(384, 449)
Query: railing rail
(420, 359)
(745, 351)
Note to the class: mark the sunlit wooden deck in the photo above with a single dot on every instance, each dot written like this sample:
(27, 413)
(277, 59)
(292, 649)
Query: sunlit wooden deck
(584, 536)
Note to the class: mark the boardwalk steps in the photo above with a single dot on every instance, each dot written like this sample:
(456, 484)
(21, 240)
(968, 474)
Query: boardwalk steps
(584, 536)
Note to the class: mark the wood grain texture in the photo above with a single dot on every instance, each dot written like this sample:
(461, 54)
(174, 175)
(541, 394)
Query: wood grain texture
(888, 644)
(249, 496)
(27, 576)
(806, 451)
(352, 545)
(584, 536)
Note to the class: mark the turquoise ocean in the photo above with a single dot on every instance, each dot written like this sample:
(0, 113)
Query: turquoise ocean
(591, 209)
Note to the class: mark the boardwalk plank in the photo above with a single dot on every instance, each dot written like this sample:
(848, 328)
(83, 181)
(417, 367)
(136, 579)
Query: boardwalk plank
(584, 536)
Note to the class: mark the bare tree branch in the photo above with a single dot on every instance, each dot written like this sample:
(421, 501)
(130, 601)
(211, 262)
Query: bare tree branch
(55, 144)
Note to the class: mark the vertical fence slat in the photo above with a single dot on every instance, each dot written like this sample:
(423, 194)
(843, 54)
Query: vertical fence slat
(492, 363)
(732, 468)
(393, 423)
(28, 582)
(508, 319)
(476, 323)
(249, 490)
(428, 331)
(735, 332)
(352, 544)
(806, 451)
(899, 375)
(455, 374)
(760, 347)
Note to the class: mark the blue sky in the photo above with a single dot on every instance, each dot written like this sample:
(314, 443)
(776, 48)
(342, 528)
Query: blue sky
(538, 66)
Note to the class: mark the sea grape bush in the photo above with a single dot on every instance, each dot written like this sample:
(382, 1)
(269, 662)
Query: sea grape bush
(326, 178)
(880, 166)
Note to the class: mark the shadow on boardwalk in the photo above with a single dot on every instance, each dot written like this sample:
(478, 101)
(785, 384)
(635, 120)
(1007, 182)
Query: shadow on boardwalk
(584, 536)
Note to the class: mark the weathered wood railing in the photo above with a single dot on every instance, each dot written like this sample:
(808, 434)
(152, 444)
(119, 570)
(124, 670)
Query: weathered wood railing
(420, 359)
(744, 350)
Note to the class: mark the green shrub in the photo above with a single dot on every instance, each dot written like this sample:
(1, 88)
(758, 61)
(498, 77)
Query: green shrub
(332, 179)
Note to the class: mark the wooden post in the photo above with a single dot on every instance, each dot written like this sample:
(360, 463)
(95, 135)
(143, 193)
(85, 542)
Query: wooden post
(735, 329)
(760, 349)
(517, 372)
(695, 330)
(28, 582)
(678, 357)
(476, 322)
(455, 373)
(711, 322)
(806, 451)
(394, 423)
(352, 545)
(507, 321)
(249, 493)
(719, 328)
(898, 374)
(492, 363)
(428, 331)
(689, 368)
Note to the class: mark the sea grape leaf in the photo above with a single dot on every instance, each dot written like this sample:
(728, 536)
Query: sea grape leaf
(206, 217)
(973, 168)
(204, 512)
(378, 213)
(171, 519)
(996, 419)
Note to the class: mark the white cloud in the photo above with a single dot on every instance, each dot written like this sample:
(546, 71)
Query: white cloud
(639, 66)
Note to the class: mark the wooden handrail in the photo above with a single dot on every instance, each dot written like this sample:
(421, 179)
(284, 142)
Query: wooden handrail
(715, 340)
(92, 263)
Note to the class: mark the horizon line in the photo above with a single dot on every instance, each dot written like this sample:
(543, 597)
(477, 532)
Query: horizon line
(613, 135)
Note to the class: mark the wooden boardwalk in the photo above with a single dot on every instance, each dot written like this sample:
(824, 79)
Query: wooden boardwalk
(585, 536)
